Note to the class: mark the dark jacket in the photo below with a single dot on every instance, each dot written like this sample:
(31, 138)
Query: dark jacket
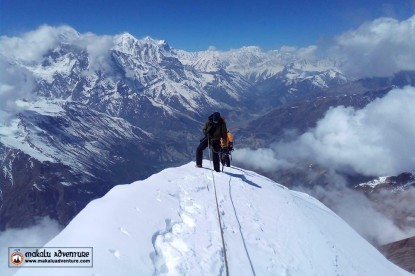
(216, 131)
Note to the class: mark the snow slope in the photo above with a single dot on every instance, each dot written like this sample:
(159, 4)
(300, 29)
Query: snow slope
(168, 224)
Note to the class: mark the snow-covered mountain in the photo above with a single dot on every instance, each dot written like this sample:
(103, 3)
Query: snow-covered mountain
(128, 71)
(137, 103)
(392, 183)
(169, 224)
(278, 76)
(393, 196)
(254, 63)
(84, 113)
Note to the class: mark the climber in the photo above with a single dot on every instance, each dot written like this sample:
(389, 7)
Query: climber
(214, 130)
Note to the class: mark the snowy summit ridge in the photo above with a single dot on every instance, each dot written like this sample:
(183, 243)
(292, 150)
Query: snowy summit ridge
(168, 224)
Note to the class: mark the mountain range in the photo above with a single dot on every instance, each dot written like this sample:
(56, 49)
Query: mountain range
(96, 117)
(138, 105)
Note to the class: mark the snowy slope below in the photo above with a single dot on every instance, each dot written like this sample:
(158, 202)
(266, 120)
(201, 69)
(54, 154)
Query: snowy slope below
(168, 224)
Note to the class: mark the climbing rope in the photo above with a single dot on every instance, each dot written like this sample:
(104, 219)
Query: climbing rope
(217, 209)
(240, 228)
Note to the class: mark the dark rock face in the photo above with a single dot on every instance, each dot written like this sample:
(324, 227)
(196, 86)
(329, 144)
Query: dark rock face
(87, 154)
(402, 253)
(38, 191)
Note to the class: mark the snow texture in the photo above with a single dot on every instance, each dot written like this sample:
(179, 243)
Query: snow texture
(168, 224)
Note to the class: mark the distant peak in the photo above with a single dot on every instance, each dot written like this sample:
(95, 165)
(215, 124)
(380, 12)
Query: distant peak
(154, 41)
(127, 36)
(247, 49)
(68, 34)
(160, 43)
(125, 39)
(129, 44)
(149, 38)
(252, 48)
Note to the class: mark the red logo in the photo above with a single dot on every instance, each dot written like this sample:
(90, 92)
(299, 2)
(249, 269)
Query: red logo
(16, 258)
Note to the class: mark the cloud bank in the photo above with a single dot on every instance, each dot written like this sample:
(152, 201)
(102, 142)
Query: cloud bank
(35, 236)
(15, 83)
(21, 56)
(378, 227)
(377, 49)
(377, 140)
(30, 47)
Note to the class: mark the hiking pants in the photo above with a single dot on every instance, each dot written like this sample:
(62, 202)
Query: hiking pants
(215, 147)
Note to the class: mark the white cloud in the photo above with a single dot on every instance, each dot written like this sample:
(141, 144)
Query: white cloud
(15, 83)
(286, 48)
(263, 159)
(378, 48)
(19, 55)
(376, 140)
(308, 52)
(363, 215)
(35, 236)
(98, 48)
(31, 46)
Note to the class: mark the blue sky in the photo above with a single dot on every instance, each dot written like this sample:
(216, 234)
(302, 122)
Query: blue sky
(197, 24)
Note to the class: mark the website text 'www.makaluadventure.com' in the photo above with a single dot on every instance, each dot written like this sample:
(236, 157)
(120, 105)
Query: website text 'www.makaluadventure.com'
(50, 257)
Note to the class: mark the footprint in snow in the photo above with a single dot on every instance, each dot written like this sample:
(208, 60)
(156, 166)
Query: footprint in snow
(124, 231)
(158, 197)
(114, 252)
(188, 220)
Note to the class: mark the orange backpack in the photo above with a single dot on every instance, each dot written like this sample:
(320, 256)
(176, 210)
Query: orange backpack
(229, 145)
